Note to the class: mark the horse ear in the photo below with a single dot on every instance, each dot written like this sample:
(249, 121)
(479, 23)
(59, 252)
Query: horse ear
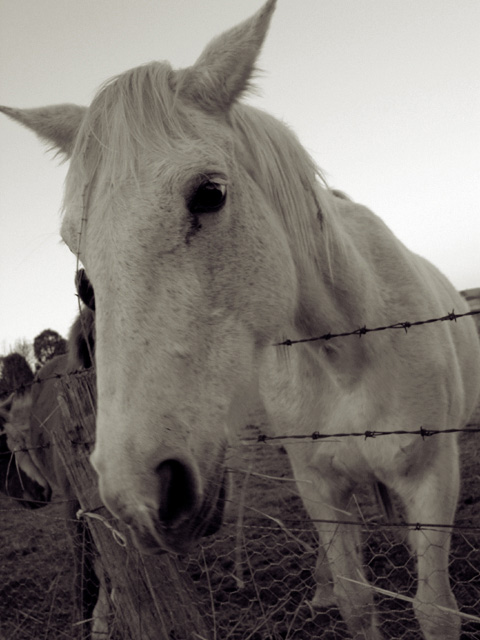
(57, 125)
(223, 70)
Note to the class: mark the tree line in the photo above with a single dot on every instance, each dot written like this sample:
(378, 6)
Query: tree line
(19, 366)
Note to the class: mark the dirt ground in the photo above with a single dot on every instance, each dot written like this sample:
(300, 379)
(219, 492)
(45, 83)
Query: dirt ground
(254, 577)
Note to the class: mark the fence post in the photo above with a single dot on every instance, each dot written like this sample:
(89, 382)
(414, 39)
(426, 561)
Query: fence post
(152, 600)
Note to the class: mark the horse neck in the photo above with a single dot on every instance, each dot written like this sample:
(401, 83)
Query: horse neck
(337, 292)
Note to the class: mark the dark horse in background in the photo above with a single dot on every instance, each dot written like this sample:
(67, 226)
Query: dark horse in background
(31, 469)
(14, 483)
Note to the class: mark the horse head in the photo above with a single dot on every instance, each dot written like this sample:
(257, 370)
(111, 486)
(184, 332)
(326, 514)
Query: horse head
(169, 204)
(185, 288)
(20, 478)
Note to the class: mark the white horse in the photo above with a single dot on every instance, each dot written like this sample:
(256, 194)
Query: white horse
(209, 236)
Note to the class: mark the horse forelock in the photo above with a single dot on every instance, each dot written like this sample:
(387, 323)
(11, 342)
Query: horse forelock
(137, 110)
(144, 109)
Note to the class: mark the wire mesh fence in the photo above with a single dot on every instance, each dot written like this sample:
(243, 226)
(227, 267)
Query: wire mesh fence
(253, 580)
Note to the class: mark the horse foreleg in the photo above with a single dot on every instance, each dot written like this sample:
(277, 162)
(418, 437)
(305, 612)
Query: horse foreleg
(338, 572)
(432, 499)
(341, 544)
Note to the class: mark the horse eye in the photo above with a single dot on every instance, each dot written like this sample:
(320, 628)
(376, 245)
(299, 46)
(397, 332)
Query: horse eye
(210, 196)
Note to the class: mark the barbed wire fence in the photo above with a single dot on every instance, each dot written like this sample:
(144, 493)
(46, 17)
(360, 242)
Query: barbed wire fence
(254, 579)
(360, 331)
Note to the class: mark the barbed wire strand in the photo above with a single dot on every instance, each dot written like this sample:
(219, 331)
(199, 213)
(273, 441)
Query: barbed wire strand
(263, 438)
(301, 524)
(452, 316)
(372, 524)
(361, 331)
(25, 386)
(316, 435)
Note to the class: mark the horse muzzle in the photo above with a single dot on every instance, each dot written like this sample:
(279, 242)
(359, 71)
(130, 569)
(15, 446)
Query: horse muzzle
(181, 515)
(157, 538)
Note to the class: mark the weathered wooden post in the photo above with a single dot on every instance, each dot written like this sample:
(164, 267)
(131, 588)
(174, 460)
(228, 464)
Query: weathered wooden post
(152, 600)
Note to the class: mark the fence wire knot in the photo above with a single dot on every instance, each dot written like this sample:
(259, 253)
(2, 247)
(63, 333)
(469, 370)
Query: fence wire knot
(119, 538)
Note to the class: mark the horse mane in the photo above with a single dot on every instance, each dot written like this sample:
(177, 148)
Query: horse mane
(286, 173)
(135, 110)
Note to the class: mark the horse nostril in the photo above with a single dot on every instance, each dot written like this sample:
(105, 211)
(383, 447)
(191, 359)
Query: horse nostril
(178, 495)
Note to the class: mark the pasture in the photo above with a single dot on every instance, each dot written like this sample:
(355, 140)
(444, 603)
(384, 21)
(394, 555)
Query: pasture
(253, 578)
(212, 244)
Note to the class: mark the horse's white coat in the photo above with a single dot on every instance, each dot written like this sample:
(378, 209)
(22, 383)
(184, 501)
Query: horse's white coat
(188, 308)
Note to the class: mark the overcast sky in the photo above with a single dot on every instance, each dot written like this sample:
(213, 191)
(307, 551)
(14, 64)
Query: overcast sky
(385, 94)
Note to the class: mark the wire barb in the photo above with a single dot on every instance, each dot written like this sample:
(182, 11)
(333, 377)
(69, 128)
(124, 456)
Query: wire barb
(316, 435)
(364, 330)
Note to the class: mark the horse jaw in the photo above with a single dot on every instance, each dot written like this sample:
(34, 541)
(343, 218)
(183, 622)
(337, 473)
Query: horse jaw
(153, 537)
